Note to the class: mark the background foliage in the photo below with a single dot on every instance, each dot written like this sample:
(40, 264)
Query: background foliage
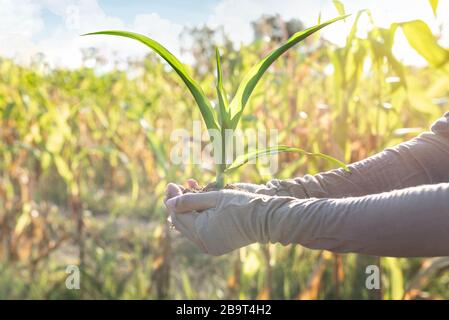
(84, 163)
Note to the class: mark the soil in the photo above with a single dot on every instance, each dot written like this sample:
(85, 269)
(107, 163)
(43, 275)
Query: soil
(209, 187)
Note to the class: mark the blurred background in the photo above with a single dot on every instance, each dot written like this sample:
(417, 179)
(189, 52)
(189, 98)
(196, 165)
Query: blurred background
(85, 138)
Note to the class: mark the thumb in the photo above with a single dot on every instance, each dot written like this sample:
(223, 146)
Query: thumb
(172, 190)
(193, 184)
(193, 202)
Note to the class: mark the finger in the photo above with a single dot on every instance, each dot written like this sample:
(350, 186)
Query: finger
(193, 202)
(172, 190)
(193, 184)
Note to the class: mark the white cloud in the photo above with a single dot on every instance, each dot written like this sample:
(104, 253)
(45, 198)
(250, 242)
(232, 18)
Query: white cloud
(20, 22)
(23, 32)
(160, 29)
(20, 19)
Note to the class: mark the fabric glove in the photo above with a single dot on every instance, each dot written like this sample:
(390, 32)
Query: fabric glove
(403, 223)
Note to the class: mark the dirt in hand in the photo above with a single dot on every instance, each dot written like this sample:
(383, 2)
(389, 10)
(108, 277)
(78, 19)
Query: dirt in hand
(209, 187)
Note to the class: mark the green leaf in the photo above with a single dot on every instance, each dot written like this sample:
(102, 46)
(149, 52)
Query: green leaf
(383, 49)
(253, 155)
(251, 79)
(420, 37)
(24, 219)
(353, 32)
(200, 98)
(395, 277)
(63, 168)
(186, 285)
(134, 176)
(156, 146)
(340, 7)
(7, 112)
(223, 104)
(434, 5)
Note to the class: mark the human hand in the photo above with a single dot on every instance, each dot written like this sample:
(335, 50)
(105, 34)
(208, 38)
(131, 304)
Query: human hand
(217, 221)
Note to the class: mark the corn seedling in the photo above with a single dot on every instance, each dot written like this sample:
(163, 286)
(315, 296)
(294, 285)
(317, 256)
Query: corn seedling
(228, 114)
(65, 143)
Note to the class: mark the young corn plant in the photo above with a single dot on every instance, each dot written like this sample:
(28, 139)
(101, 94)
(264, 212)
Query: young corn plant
(228, 114)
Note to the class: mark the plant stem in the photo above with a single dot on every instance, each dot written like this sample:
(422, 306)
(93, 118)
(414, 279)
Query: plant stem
(220, 180)
(221, 167)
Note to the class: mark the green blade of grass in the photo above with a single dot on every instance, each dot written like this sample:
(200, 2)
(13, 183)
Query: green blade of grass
(198, 94)
(223, 103)
(251, 79)
(241, 160)
(339, 6)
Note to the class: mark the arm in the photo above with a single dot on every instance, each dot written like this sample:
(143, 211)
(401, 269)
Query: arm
(403, 223)
(412, 222)
(422, 160)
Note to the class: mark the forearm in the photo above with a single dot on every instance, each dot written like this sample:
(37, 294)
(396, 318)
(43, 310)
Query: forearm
(403, 223)
(422, 160)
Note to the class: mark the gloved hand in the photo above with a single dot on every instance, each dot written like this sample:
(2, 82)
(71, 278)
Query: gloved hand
(221, 221)
(409, 222)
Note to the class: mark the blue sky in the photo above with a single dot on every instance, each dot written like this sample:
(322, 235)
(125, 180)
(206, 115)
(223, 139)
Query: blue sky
(53, 27)
(194, 12)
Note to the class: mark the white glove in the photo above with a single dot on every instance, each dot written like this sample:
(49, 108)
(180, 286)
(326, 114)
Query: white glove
(216, 221)
(402, 223)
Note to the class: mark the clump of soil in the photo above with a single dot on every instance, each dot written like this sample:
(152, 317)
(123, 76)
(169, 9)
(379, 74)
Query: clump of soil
(209, 187)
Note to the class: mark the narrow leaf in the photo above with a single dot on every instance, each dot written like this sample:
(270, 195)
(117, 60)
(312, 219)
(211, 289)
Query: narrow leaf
(253, 155)
(434, 5)
(251, 79)
(340, 7)
(63, 169)
(156, 146)
(200, 98)
(353, 32)
(396, 278)
(420, 37)
(223, 103)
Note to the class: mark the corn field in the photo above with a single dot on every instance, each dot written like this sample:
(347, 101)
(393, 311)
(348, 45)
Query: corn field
(84, 161)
